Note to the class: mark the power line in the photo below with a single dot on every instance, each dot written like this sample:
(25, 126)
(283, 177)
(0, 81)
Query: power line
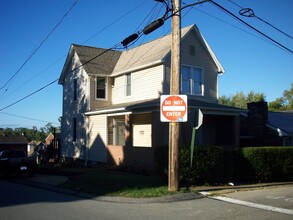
(131, 39)
(248, 12)
(99, 32)
(122, 16)
(28, 118)
(33, 53)
(232, 25)
(250, 26)
(29, 95)
(38, 90)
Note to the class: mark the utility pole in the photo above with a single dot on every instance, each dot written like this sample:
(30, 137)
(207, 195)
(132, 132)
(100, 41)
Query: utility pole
(173, 184)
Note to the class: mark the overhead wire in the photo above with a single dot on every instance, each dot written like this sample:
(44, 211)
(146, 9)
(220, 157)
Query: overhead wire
(228, 23)
(115, 47)
(253, 28)
(54, 63)
(52, 82)
(151, 16)
(37, 48)
(115, 21)
(248, 12)
(28, 118)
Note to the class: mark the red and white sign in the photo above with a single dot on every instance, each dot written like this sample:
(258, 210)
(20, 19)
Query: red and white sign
(173, 108)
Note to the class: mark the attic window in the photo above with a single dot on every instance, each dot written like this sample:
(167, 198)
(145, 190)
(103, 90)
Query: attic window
(192, 50)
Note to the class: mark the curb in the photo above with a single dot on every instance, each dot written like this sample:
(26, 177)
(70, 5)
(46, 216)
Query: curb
(113, 199)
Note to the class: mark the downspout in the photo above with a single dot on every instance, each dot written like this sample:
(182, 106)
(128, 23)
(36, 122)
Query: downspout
(86, 141)
(88, 95)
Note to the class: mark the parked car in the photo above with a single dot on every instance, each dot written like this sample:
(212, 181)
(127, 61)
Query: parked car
(16, 162)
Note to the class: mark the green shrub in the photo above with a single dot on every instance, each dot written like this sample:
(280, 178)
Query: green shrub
(268, 163)
(215, 165)
(211, 165)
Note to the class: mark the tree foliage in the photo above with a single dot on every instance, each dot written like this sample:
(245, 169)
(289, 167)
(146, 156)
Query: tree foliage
(240, 100)
(30, 133)
(283, 103)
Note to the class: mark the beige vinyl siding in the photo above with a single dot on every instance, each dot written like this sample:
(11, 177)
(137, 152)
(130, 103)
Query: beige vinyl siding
(167, 75)
(98, 103)
(97, 132)
(203, 60)
(145, 84)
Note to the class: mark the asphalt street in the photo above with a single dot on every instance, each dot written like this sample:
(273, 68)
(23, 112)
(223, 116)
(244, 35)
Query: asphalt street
(19, 201)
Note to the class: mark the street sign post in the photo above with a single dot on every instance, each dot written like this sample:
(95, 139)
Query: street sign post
(198, 118)
(173, 108)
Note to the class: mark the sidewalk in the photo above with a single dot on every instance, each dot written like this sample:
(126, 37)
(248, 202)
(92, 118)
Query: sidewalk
(51, 182)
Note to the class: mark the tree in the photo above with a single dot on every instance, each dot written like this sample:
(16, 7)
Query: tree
(283, 103)
(288, 97)
(240, 100)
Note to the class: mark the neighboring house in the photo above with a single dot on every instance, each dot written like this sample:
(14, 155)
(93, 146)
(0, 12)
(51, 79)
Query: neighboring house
(49, 139)
(14, 143)
(259, 127)
(35, 146)
(282, 122)
(53, 147)
(111, 105)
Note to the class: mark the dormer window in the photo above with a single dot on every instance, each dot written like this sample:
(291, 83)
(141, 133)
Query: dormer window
(101, 86)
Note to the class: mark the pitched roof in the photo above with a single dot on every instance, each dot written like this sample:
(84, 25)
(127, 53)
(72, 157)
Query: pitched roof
(116, 62)
(94, 60)
(156, 51)
(104, 63)
(281, 121)
(12, 139)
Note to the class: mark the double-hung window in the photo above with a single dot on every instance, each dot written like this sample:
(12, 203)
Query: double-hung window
(101, 86)
(128, 84)
(191, 80)
(118, 132)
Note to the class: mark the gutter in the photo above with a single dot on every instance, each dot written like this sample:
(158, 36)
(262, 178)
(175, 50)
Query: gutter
(98, 112)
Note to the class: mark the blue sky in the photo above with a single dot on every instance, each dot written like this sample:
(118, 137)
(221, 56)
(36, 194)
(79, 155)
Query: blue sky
(251, 62)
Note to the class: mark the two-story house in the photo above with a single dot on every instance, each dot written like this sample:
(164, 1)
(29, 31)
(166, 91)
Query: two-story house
(111, 104)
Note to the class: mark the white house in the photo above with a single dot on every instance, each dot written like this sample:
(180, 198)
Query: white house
(111, 105)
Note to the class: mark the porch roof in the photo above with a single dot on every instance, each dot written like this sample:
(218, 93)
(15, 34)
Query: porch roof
(154, 105)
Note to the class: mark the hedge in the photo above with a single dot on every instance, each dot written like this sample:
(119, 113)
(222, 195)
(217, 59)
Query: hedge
(265, 164)
(216, 165)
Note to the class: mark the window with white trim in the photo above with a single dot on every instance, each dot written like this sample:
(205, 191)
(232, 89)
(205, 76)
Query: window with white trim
(191, 80)
(101, 86)
(118, 132)
(128, 84)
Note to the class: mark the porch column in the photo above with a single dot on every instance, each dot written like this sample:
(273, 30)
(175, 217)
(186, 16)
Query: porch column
(128, 131)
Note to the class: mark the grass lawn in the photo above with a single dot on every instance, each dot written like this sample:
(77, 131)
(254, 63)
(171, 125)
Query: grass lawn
(114, 183)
